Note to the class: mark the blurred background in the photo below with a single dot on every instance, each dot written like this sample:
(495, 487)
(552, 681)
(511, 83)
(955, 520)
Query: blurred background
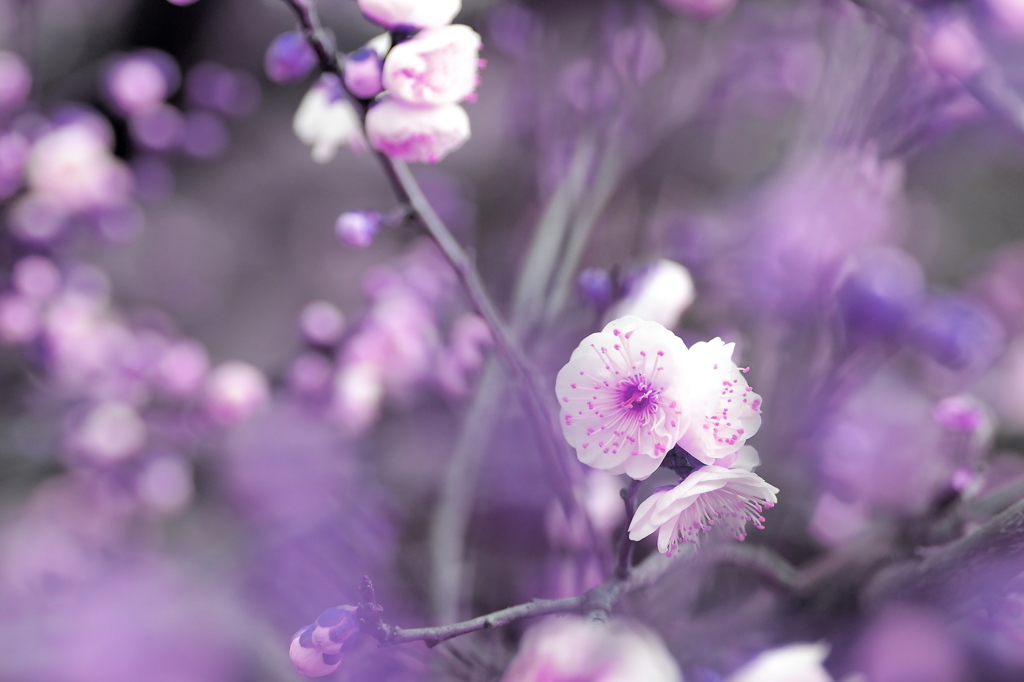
(216, 418)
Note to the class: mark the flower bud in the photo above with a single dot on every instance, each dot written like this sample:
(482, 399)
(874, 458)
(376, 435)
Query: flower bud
(333, 627)
(410, 13)
(307, 658)
(357, 228)
(363, 73)
(234, 390)
(322, 323)
(595, 286)
(879, 291)
(416, 134)
(289, 58)
(952, 48)
(437, 66)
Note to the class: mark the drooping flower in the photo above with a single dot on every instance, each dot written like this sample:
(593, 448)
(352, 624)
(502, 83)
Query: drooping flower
(710, 496)
(437, 66)
(572, 649)
(623, 396)
(410, 13)
(725, 410)
(416, 134)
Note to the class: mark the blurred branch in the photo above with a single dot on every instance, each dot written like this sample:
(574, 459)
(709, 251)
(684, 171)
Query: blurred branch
(597, 603)
(988, 85)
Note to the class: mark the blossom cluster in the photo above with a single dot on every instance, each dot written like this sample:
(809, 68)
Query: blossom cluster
(411, 79)
(633, 392)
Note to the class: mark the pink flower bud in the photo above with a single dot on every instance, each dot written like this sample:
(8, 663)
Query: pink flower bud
(333, 627)
(416, 134)
(437, 66)
(289, 58)
(322, 323)
(357, 228)
(363, 73)
(307, 658)
(410, 13)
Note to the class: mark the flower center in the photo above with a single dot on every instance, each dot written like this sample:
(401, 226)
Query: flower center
(636, 393)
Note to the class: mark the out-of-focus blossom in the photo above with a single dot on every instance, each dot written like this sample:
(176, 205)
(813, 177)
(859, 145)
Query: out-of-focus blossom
(952, 48)
(37, 219)
(159, 129)
(110, 432)
(879, 292)
(289, 58)
(141, 81)
(623, 396)
(410, 13)
(416, 134)
(20, 319)
(709, 496)
(358, 395)
(791, 663)
(213, 86)
(325, 120)
(572, 649)
(906, 643)
(661, 294)
(357, 228)
(595, 286)
(165, 484)
(700, 8)
(322, 323)
(205, 135)
(437, 66)
(310, 375)
(589, 86)
(724, 409)
(36, 277)
(363, 73)
(1003, 387)
(15, 80)
(234, 390)
(469, 338)
(1008, 15)
(958, 333)
(182, 369)
(73, 167)
(14, 149)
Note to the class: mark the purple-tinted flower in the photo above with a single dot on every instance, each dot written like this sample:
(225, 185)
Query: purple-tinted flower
(357, 228)
(438, 66)
(289, 58)
(20, 319)
(15, 80)
(160, 128)
(205, 135)
(958, 333)
(623, 396)
(165, 485)
(662, 293)
(573, 649)
(142, 81)
(710, 496)
(595, 286)
(322, 323)
(181, 370)
(410, 13)
(308, 659)
(234, 390)
(110, 432)
(36, 277)
(881, 289)
(364, 72)
(724, 409)
(952, 48)
(416, 134)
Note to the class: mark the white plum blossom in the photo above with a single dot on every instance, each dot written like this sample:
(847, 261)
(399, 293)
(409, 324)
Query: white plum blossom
(725, 410)
(437, 66)
(73, 167)
(710, 496)
(410, 13)
(234, 390)
(573, 649)
(406, 132)
(623, 395)
(792, 663)
(325, 120)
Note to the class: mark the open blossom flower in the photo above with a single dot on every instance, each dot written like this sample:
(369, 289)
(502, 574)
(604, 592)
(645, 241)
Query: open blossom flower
(726, 411)
(437, 66)
(572, 649)
(410, 13)
(622, 394)
(710, 496)
(416, 134)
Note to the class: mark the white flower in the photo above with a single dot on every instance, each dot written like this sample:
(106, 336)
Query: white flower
(710, 496)
(325, 120)
(662, 294)
(416, 134)
(437, 66)
(792, 663)
(572, 649)
(410, 13)
(726, 411)
(73, 167)
(622, 395)
(234, 390)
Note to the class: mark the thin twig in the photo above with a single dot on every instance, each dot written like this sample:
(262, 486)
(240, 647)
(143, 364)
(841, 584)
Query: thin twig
(626, 545)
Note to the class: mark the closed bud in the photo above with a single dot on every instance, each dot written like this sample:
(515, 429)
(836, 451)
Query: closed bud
(289, 58)
(357, 228)
(363, 73)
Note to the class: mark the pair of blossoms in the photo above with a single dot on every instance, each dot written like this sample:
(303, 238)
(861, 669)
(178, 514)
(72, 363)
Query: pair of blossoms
(633, 392)
(415, 86)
